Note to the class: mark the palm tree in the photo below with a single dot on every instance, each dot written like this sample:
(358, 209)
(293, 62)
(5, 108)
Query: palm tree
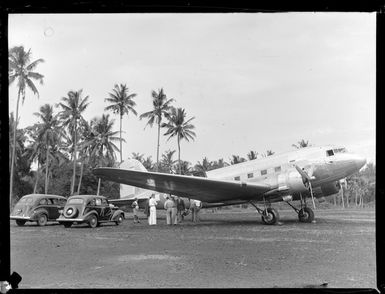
(20, 139)
(21, 68)
(72, 108)
(161, 109)
(202, 167)
(167, 162)
(49, 132)
(219, 163)
(252, 155)
(103, 147)
(87, 139)
(137, 156)
(184, 168)
(236, 159)
(269, 152)
(180, 127)
(301, 144)
(121, 103)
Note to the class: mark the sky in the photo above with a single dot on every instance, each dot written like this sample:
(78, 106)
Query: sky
(252, 81)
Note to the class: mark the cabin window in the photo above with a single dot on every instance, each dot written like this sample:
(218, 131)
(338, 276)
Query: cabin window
(277, 169)
(237, 178)
(264, 172)
(339, 150)
(250, 175)
(329, 153)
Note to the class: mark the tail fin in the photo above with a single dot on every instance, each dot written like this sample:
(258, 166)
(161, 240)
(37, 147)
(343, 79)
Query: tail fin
(127, 191)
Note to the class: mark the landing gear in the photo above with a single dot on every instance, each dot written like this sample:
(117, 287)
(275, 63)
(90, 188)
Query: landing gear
(305, 214)
(270, 216)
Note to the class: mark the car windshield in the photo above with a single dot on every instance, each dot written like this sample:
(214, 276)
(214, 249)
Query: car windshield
(26, 200)
(75, 201)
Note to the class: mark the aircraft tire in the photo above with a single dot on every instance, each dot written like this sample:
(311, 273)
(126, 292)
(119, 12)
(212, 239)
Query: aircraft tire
(306, 215)
(272, 216)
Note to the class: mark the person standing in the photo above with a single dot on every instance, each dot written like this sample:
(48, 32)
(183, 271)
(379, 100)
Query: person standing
(152, 203)
(168, 204)
(195, 207)
(135, 209)
(180, 209)
(174, 211)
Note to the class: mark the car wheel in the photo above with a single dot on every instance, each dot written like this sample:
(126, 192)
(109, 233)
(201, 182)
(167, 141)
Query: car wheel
(93, 221)
(119, 219)
(42, 220)
(20, 222)
(67, 224)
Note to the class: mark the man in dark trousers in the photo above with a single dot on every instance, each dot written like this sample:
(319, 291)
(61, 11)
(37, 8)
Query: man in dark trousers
(180, 209)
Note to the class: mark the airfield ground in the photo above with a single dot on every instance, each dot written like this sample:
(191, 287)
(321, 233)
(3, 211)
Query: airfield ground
(228, 248)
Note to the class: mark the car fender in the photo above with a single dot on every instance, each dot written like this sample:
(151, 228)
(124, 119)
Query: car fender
(37, 212)
(117, 213)
(88, 214)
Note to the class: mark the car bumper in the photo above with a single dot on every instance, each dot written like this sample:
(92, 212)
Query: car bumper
(13, 217)
(73, 220)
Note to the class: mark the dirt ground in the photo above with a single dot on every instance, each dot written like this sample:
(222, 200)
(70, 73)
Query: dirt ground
(228, 248)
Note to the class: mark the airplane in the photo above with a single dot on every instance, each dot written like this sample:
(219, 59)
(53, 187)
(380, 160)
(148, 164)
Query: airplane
(296, 175)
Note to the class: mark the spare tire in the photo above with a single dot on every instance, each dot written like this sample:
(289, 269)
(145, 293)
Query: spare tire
(70, 212)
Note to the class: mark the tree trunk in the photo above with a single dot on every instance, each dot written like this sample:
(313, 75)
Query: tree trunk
(81, 176)
(14, 149)
(121, 151)
(342, 198)
(37, 178)
(180, 167)
(157, 149)
(74, 167)
(46, 170)
(97, 193)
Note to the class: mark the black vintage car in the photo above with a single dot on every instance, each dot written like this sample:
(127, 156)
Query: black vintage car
(38, 208)
(90, 209)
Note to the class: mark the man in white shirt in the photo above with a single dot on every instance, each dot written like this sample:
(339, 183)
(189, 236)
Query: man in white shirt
(152, 204)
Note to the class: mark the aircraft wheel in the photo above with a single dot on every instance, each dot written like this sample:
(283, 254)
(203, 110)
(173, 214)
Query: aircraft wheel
(306, 215)
(42, 220)
(270, 216)
(20, 222)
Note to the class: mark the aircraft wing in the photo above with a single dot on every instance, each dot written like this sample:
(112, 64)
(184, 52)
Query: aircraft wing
(204, 189)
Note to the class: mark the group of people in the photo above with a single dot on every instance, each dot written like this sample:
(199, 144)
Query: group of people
(174, 206)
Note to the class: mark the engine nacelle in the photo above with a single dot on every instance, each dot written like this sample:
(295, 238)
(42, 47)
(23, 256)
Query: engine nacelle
(327, 189)
(291, 182)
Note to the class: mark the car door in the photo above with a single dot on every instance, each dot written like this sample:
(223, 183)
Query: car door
(53, 208)
(105, 211)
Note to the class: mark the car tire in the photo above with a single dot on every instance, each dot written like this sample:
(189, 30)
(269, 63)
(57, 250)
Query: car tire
(42, 220)
(119, 220)
(93, 221)
(67, 224)
(20, 222)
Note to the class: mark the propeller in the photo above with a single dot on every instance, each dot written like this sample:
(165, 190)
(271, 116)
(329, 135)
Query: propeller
(306, 178)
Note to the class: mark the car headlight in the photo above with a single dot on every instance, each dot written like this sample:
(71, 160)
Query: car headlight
(69, 210)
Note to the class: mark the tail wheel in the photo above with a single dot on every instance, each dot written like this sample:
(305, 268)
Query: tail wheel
(20, 222)
(42, 220)
(93, 221)
(270, 216)
(119, 219)
(306, 215)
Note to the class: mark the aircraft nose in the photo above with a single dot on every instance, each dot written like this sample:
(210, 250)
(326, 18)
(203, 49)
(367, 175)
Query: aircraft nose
(360, 162)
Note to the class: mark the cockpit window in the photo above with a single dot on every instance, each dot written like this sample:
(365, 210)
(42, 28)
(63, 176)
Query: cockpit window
(329, 152)
(340, 150)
